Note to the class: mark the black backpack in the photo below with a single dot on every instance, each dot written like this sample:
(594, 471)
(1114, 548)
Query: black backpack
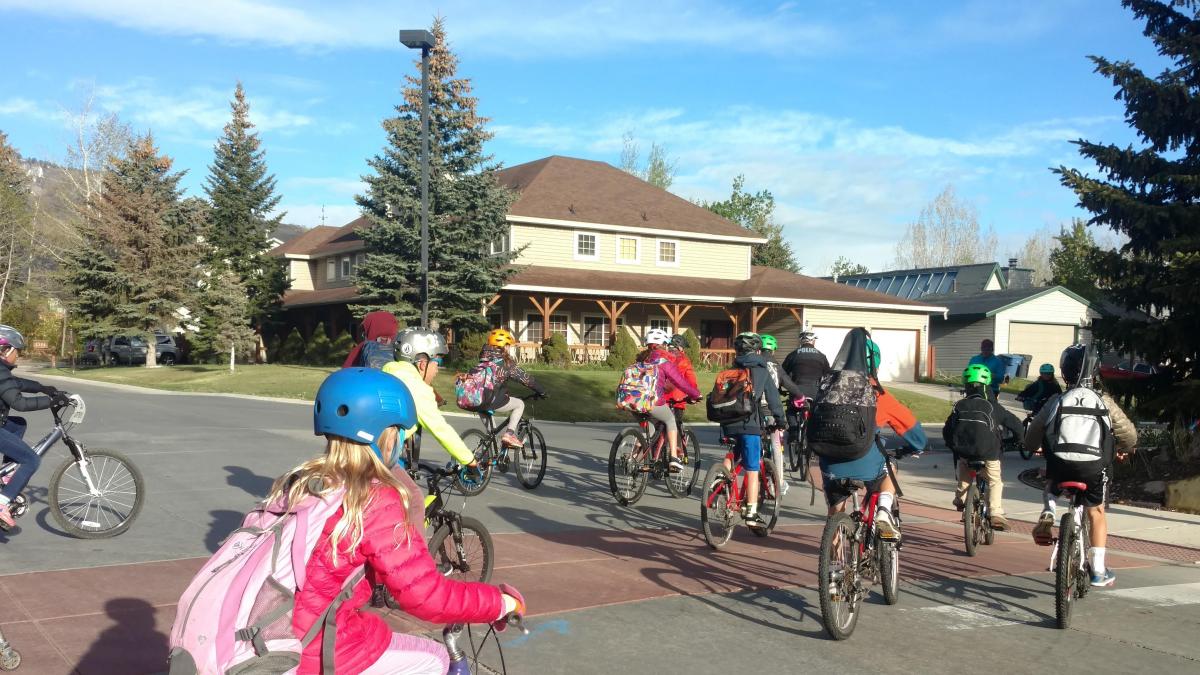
(975, 434)
(376, 354)
(842, 425)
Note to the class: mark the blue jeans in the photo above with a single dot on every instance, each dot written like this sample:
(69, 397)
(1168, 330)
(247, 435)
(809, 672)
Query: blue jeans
(17, 450)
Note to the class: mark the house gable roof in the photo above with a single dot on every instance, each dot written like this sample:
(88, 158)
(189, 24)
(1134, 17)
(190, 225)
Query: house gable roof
(305, 243)
(918, 282)
(989, 303)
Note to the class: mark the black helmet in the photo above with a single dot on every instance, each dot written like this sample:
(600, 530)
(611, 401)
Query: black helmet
(678, 341)
(1073, 363)
(747, 343)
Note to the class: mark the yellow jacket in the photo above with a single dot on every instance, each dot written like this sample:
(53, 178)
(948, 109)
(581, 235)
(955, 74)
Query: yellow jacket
(428, 415)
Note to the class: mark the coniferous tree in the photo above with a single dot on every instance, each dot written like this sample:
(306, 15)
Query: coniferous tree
(1073, 260)
(224, 320)
(243, 195)
(1151, 194)
(292, 349)
(467, 206)
(756, 212)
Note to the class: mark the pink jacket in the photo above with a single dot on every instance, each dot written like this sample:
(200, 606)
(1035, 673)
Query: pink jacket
(394, 551)
(669, 378)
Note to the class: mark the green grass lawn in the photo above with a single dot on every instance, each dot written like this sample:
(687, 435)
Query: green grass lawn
(575, 395)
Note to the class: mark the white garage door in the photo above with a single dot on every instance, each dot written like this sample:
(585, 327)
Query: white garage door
(829, 340)
(1044, 341)
(898, 354)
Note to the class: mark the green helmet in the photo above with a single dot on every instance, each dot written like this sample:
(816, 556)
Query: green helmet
(873, 355)
(977, 373)
(1046, 369)
(768, 342)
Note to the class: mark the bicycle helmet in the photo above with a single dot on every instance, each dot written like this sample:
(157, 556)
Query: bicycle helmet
(501, 337)
(808, 338)
(746, 343)
(1072, 362)
(11, 337)
(769, 343)
(873, 356)
(1046, 369)
(977, 373)
(359, 404)
(657, 336)
(678, 341)
(411, 343)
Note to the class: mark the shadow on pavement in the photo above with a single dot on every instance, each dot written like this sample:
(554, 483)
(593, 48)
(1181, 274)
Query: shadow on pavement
(252, 483)
(224, 521)
(130, 644)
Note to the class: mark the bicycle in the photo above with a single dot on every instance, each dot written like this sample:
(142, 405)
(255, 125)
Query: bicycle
(459, 664)
(853, 557)
(491, 453)
(95, 494)
(977, 517)
(724, 498)
(637, 453)
(1072, 573)
(1026, 453)
(798, 453)
(9, 658)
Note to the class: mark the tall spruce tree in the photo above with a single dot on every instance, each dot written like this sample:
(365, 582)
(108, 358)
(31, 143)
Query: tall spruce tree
(1151, 194)
(243, 195)
(467, 206)
(1073, 260)
(756, 212)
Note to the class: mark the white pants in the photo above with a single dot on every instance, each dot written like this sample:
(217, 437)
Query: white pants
(515, 407)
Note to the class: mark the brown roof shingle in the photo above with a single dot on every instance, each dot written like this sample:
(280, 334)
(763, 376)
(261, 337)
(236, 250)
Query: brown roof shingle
(325, 296)
(306, 242)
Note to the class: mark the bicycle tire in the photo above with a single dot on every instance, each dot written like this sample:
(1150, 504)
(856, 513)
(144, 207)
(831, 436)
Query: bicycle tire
(695, 458)
(535, 445)
(1026, 454)
(1084, 582)
(795, 456)
(461, 565)
(970, 516)
(768, 499)
(1064, 571)
(827, 567)
(105, 477)
(484, 451)
(716, 522)
(627, 465)
(680, 483)
(11, 660)
(889, 571)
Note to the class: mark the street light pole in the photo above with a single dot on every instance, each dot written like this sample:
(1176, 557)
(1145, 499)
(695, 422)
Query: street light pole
(423, 40)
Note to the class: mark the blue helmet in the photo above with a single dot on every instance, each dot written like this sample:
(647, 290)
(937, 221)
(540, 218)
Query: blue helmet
(360, 403)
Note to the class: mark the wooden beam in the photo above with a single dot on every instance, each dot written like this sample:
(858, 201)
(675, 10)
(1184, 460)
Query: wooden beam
(756, 316)
(494, 299)
(798, 316)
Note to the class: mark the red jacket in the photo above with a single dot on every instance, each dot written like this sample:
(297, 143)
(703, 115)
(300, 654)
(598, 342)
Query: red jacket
(683, 364)
(396, 555)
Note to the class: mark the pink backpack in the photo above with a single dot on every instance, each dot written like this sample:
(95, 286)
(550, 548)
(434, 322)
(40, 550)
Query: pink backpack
(235, 617)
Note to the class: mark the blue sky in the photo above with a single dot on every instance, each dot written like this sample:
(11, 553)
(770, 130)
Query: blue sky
(854, 114)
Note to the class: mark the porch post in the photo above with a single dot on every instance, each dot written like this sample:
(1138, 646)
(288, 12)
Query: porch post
(756, 315)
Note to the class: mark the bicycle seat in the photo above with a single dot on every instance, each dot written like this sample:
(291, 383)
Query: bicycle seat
(849, 483)
(1072, 485)
(977, 464)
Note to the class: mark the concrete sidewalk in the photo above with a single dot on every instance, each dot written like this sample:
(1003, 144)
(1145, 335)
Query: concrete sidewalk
(951, 394)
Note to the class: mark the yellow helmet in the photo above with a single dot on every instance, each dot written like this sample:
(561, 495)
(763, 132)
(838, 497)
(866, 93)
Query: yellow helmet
(501, 337)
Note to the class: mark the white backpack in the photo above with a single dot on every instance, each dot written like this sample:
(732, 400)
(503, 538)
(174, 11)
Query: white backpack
(1080, 430)
(235, 618)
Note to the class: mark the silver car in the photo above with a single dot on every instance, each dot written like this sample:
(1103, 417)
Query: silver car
(131, 349)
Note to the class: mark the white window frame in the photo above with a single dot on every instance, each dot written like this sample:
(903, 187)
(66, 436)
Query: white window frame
(665, 321)
(637, 250)
(658, 252)
(605, 328)
(331, 268)
(346, 269)
(596, 249)
(504, 245)
(524, 333)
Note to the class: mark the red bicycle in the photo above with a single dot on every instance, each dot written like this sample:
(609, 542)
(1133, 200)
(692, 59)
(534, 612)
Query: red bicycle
(638, 453)
(725, 496)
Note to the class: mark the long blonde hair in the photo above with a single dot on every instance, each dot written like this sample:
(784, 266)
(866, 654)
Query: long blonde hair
(351, 466)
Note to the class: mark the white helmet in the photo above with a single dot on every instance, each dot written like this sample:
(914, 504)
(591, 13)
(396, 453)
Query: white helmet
(657, 336)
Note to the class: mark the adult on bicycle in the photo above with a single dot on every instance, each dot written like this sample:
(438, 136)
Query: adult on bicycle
(420, 352)
(496, 352)
(805, 366)
(1039, 391)
(1079, 430)
(670, 379)
(973, 433)
(872, 468)
(747, 433)
(678, 399)
(22, 395)
(785, 386)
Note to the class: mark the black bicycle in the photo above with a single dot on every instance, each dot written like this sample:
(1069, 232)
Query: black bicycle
(638, 453)
(977, 518)
(799, 455)
(490, 453)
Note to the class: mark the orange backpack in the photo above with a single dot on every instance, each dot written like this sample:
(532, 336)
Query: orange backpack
(732, 397)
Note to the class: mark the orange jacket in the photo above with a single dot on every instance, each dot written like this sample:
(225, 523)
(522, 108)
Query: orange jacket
(683, 364)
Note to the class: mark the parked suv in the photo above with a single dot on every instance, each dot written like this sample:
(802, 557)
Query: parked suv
(130, 349)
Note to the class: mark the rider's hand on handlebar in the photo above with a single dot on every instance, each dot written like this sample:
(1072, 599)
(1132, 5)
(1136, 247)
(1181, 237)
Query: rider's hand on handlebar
(514, 605)
(60, 399)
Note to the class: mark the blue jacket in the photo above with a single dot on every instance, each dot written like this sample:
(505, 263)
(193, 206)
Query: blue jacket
(763, 385)
(995, 364)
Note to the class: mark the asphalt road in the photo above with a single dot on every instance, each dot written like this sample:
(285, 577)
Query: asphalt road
(206, 459)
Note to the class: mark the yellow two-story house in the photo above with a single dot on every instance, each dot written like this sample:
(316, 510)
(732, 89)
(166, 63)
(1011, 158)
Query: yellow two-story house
(600, 250)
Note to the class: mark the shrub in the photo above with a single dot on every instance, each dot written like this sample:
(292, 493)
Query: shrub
(292, 349)
(623, 350)
(340, 348)
(316, 352)
(693, 346)
(555, 351)
(466, 350)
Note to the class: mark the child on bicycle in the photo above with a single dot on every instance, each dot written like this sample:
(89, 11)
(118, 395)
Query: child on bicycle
(677, 399)
(747, 434)
(1039, 391)
(496, 352)
(670, 380)
(360, 412)
(22, 395)
(973, 432)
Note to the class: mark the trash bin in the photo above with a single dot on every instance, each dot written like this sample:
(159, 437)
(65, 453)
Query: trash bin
(1026, 362)
(1012, 364)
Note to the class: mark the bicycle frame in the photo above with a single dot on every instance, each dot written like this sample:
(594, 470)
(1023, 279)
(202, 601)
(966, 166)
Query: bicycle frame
(738, 489)
(58, 433)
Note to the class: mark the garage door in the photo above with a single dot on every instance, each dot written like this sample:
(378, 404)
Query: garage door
(898, 354)
(1044, 341)
(829, 340)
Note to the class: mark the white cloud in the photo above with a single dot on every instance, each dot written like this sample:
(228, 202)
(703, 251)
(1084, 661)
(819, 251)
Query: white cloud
(310, 215)
(17, 106)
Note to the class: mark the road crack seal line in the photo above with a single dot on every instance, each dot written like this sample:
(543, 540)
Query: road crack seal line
(1128, 643)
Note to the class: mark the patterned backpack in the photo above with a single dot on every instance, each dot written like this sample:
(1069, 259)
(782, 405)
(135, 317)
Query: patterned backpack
(638, 390)
(236, 614)
(842, 426)
(476, 390)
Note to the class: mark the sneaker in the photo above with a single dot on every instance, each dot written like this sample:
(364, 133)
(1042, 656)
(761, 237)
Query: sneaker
(959, 504)
(999, 523)
(755, 522)
(510, 440)
(886, 528)
(1106, 579)
(1043, 532)
(676, 465)
(6, 519)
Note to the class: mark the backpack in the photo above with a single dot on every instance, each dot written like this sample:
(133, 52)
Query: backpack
(376, 354)
(476, 390)
(842, 424)
(638, 390)
(975, 436)
(732, 397)
(1080, 430)
(235, 617)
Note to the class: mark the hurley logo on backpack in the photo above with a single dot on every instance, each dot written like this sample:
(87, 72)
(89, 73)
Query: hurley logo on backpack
(1080, 429)
(842, 425)
(476, 390)
(236, 614)
(732, 397)
(638, 390)
(375, 354)
(975, 435)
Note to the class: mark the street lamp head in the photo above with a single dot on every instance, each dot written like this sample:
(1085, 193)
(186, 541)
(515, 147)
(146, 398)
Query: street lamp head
(417, 39)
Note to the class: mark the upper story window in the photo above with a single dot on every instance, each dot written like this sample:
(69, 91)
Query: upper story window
(628, 250)
(587, 246)
(499, 245)
(347, 267)
(668, 253)
(331, 269)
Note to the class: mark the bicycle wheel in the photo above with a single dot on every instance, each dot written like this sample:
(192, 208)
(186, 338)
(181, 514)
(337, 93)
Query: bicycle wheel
(970, 520)
(889, 571)
(837, 572)
(695, 461)
(680, 484)
(1084, 569)
(626, 479)
(105, 509)
(717, 517)
(1065, 565)
(768, 498)
(1026, 454)
(795, 456)
(531, 460)
(468, 482)
(467, 555)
